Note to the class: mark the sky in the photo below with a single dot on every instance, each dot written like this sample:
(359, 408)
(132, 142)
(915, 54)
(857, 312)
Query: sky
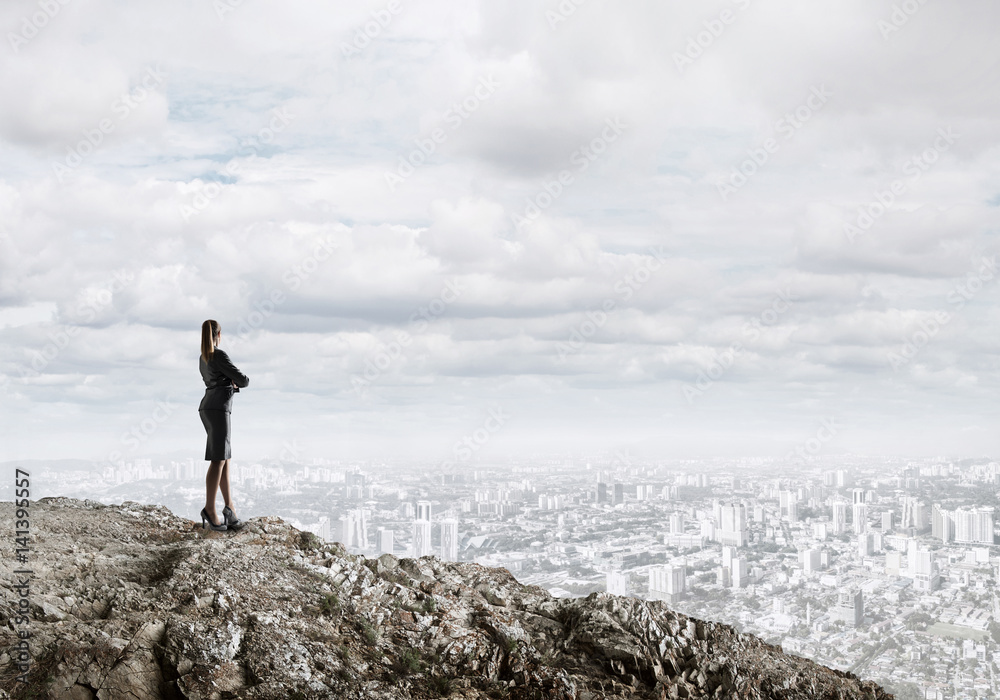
(463, 231)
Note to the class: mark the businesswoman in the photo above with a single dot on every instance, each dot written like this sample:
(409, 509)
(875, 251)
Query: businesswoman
(222, 380)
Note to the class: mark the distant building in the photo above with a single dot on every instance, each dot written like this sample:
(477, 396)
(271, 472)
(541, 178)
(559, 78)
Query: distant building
(734, 525)
(942, 524)
(449, 540)
(850, 608)
(421, 538)
(926, 576)
(788, 505)
(741, 574)
(974, 525)
(667, 582)
(860, 515)
(811, 561)
(676, 524)
(839, 519)
(384, 540)
(618, 583)
(619, 493)
(423, 510)
(354, 529)
(602, 492)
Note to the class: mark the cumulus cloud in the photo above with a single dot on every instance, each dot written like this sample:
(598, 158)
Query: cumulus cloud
(437, 194)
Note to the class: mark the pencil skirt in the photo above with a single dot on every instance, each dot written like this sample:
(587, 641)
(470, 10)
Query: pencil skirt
(217, 427)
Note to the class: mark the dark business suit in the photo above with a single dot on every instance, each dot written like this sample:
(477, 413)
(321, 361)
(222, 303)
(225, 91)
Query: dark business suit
(219, 374)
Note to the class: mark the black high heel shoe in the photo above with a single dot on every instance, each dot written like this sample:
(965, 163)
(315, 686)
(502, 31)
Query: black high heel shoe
(205, 518)
(232, 521)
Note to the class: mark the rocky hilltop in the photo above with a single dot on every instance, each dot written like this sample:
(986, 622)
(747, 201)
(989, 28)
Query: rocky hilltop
(132, 602)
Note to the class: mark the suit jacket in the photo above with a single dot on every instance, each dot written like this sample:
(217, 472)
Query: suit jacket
(220, 374)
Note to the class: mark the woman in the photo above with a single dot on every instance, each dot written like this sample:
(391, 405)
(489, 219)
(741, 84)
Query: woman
(222, 380)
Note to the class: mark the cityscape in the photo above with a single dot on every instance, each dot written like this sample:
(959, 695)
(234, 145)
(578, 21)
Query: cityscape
(883, 567)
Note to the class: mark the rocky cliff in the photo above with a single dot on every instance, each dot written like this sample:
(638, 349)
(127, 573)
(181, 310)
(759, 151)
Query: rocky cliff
(132, 602)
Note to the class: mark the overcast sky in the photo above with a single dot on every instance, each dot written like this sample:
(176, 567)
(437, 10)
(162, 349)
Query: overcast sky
(752, 227)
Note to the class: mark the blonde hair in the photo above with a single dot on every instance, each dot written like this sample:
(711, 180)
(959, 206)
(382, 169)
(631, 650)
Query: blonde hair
(209, 332)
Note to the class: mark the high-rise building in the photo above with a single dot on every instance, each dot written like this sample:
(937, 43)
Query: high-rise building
(811, 561)
(449, 539)
(740, 572)
(788, 505)
(926, 575)
(602, 492)
(915, 514)
(942, 524)
(728, 554)
(974, 525)
(850, 608)
(887, 521)
(676, 524)
(421, 538)
(667, 582)
(383, 540)
(858, 496)
(423, 510)
(839, 517)
(618, 583)
(734, 524)
(354, 528)
(619, 493)
(860, 514)
(866, 544)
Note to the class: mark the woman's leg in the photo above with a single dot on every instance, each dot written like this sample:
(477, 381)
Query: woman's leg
(224, 485)
(212, 486)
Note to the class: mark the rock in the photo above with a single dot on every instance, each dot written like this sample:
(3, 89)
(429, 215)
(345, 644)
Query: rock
(134, 603)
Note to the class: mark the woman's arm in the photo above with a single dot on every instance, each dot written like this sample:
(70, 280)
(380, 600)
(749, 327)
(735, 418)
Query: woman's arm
(226, 366)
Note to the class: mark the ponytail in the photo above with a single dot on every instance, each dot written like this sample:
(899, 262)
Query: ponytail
(209, 330)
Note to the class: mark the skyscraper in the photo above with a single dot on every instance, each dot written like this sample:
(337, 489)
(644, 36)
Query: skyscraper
(734, 524)
(449, 540)
(423, 510)
(942, 524)
(860, 514)
(383, 540)
(839, 517)
(421, 538)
